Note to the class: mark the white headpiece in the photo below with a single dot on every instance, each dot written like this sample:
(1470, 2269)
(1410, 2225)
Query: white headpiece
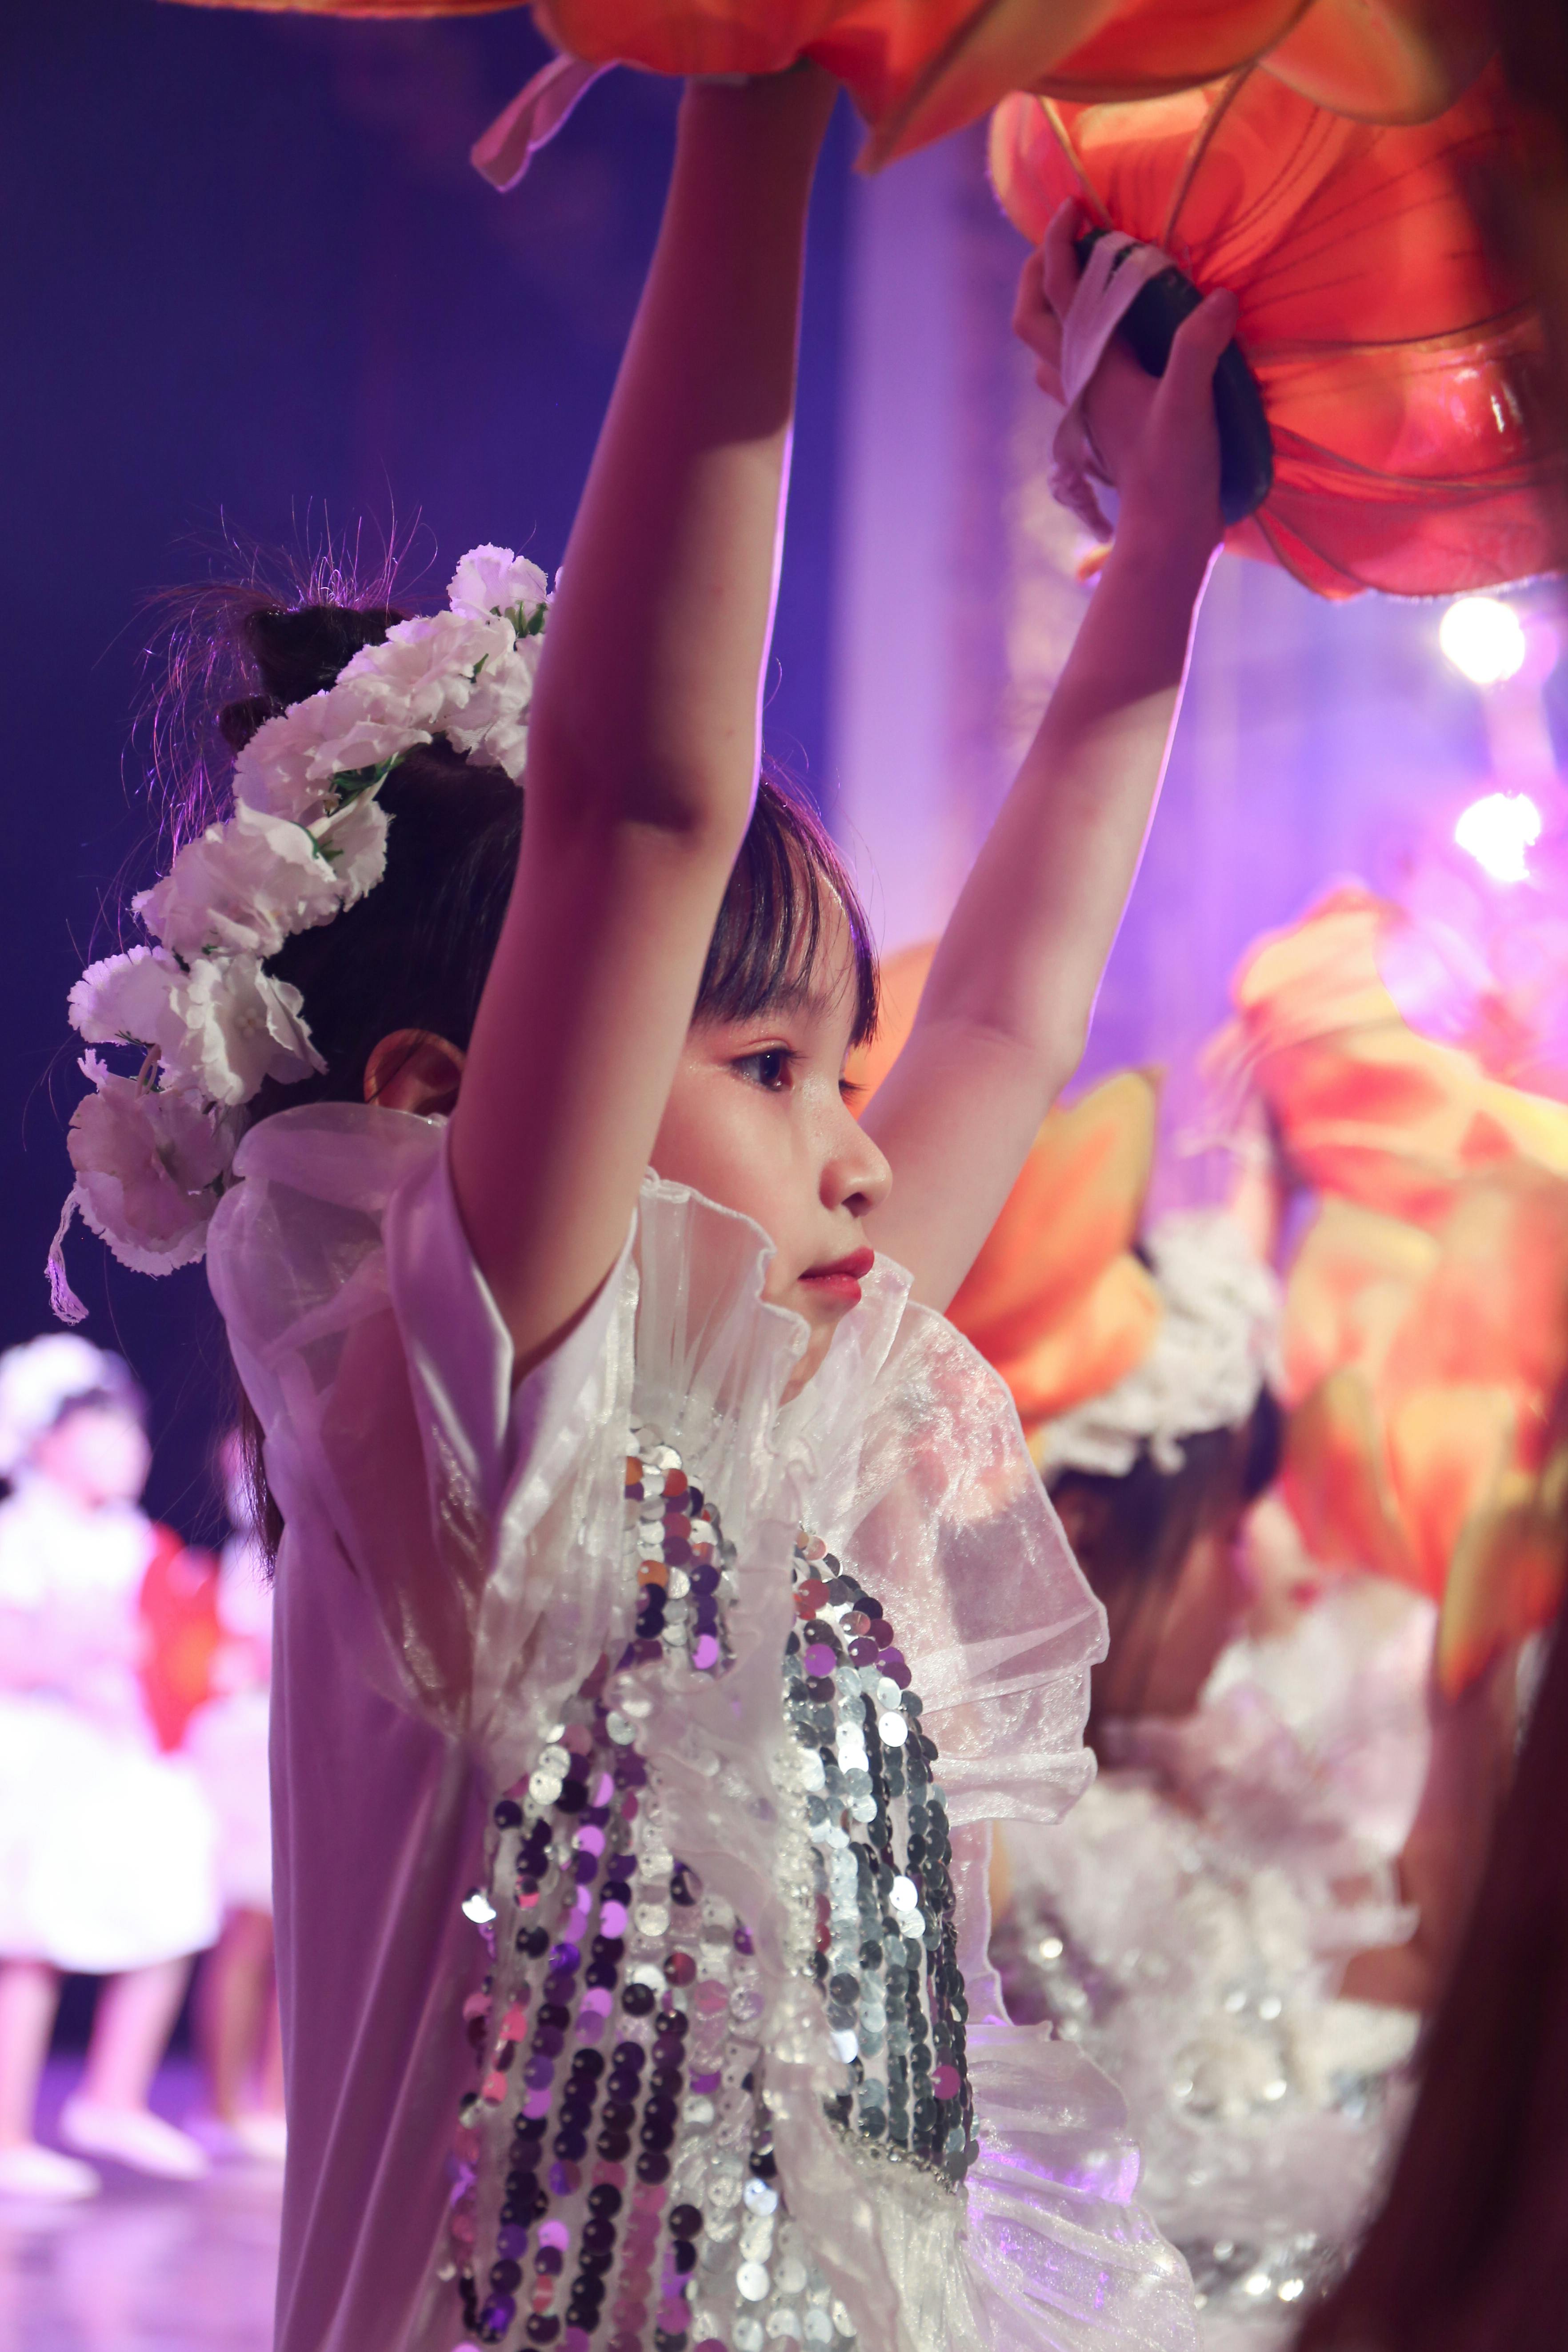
(40, 1378)
(152, 1147)
(1212, 1352)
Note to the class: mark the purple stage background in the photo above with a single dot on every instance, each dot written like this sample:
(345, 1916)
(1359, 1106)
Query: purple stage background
(254, 285)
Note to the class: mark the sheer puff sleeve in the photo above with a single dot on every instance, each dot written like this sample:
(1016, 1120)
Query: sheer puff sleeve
(372, 1353)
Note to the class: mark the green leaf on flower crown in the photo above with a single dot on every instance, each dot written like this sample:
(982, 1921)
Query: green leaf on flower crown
(350, 782)
(526, 624)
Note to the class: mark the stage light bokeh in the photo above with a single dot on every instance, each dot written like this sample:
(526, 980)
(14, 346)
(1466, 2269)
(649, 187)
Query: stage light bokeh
(1484, 638)
(1497, 830)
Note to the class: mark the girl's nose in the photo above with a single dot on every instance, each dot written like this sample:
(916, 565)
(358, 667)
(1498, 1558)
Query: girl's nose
(856, 1176)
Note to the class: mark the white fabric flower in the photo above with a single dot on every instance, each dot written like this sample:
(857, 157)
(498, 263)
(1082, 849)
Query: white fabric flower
(494, 579)
(125, 999)
(493, 728)
(231, 1026)
(353, 843)
(242, 889)
(424, 671)
(148, 1167)
(224, 1026)
(287, 766)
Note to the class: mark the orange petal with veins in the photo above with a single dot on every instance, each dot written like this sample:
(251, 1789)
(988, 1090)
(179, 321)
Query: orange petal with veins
(1352, 1285)
(1335, 1480)
(1390, 343)
(1450, 1450)
(1096, 1342)
(1385, 60)
(1507, 1577)
(1075, 1208)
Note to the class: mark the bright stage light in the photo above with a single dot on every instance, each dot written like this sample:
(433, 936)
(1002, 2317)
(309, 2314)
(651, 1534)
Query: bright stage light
(1483, 639)
(1497, 830)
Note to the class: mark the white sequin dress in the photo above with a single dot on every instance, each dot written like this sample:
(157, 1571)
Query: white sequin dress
(1187, 1926)
(635, 1740)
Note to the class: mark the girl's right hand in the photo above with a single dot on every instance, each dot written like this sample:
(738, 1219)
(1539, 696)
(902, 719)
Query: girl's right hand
(1156, 436)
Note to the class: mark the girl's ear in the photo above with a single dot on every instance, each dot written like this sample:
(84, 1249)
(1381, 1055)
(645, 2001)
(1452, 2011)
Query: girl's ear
(414, 1070)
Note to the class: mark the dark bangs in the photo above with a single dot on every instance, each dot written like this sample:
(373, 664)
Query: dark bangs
(768, 939)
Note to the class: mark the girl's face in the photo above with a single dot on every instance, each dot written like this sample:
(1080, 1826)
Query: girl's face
(759, 1120)
(97, 1453)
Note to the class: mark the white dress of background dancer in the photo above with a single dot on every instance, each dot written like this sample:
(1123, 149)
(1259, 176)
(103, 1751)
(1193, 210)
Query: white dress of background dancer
(106, 1844)
(1188, 1923)
(226, 1739)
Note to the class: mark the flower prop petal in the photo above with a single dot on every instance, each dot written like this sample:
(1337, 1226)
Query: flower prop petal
(1494, 1307)
(920, 68)
(1336, 1482)
(1450, 1447)
(1365, 1108)
(1352, 1283)
(1054, 1298)
(1506, 1580)
(1073, 1212)
(1389, 349)
(1099, 1339)
(1384, 60)
(1430, 1372)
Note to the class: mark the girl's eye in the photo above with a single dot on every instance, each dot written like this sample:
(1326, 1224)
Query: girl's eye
(769, 1068)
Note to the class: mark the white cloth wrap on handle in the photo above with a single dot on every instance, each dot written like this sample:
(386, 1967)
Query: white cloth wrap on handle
(1113, 277)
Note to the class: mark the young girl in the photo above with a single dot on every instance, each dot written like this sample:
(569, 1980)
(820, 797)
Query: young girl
(1249, 1912)
(1188, 1925)
(664, 1596)
(106, 1845)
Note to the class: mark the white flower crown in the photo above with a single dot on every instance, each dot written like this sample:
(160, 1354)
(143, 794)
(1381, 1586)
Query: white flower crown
(151, 1148)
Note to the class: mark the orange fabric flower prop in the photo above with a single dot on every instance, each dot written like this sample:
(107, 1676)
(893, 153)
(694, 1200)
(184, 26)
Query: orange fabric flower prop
(1363, 1109)
(919, 69)
(1056, 1300)
(1425, 1334)
(1425, 1372)
(1393, 355)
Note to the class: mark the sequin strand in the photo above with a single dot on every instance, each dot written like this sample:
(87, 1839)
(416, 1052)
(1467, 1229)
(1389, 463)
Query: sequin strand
(626, 2196)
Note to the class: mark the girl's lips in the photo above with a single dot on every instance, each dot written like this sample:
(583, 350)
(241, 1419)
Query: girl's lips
(842, 1279)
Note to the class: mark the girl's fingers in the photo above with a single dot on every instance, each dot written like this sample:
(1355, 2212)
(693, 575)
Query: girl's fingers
(1195, 350)
(1050, 383)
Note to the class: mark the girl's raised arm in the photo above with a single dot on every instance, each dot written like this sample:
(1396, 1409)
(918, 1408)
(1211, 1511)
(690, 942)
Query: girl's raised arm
(643, 740)
(1002, 1023)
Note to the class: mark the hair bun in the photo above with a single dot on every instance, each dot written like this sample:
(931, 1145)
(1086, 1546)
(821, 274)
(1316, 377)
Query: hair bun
(238, 722)
(300, 653)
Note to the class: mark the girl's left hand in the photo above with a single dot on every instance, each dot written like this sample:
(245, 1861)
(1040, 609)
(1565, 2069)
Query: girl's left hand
(1156, 436)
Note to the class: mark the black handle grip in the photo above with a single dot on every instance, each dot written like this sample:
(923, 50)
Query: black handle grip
(1246, 448)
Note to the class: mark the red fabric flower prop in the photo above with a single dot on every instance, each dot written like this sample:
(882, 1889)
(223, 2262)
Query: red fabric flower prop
(1395, 357)
(919, 69)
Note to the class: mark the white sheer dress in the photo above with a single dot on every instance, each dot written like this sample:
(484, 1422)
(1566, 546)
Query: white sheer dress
(633, 1742)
